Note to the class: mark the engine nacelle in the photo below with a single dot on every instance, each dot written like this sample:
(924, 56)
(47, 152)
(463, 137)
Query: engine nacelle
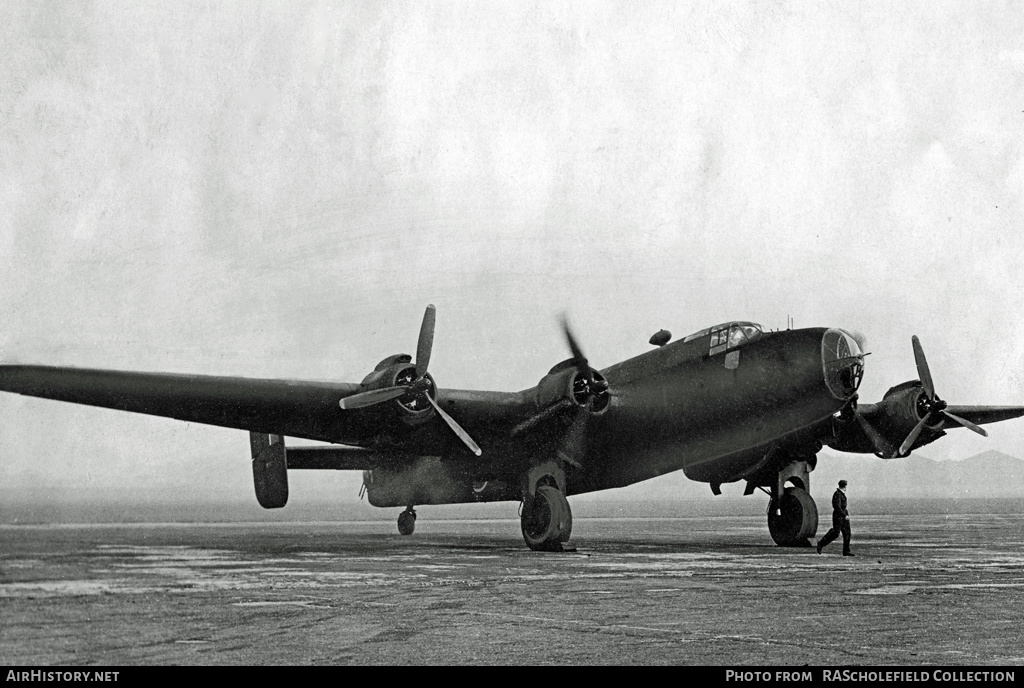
(397, 371)
(903, 407)
(565, 382)
(900, 410)
(556, 385)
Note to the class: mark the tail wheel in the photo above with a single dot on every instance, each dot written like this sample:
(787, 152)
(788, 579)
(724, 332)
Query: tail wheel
(547, 520)
(407, 522)
(794, 519)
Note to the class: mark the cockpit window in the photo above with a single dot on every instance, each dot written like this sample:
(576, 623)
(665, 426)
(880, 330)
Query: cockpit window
(719, 337)
(736, 336)
(743, 332)
(728, 335)
(732, 335)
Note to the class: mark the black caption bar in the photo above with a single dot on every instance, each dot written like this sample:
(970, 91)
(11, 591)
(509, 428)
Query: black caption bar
(871, 675)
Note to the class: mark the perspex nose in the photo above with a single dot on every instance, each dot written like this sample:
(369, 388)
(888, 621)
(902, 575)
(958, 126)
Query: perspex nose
(843, 363)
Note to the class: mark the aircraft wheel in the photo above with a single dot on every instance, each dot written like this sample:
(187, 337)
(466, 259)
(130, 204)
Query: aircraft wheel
(407, 522)
(797, 520)
(547, 520)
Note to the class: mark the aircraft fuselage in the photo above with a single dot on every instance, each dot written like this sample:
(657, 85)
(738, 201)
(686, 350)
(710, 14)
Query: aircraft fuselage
(707, 405)
(713, 415)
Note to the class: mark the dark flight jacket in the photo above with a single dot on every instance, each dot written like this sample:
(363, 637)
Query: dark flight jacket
(839, 512)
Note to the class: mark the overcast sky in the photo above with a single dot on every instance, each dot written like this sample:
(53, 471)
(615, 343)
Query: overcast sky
(278, 190)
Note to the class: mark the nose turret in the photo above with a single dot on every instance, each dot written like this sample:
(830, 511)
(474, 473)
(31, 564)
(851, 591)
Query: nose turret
(843, 363)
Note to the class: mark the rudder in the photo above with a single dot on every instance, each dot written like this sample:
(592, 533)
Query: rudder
(269, 470)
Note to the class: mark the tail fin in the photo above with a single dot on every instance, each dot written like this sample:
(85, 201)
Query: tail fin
(269, 470)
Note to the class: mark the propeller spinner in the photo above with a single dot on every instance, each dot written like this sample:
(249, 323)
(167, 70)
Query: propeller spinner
(418, 386)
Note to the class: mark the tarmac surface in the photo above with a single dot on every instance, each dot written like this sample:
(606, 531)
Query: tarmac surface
(923, 589)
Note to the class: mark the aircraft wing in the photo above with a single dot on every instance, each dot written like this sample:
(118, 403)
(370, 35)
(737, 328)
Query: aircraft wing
(979, 415)
(295, 408)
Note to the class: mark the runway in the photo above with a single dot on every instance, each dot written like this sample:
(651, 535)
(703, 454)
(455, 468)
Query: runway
(923, 589)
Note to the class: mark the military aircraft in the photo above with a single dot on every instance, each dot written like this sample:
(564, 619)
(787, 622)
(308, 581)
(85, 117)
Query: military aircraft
(731, 402)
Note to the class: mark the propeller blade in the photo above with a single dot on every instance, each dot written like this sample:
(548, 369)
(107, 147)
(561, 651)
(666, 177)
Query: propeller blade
(456, 428)
(426, 341)
(923, 373)
(882, 445)
(571, 448)
(912, 437)
(966, 423)
(577, 353)
(371, 397)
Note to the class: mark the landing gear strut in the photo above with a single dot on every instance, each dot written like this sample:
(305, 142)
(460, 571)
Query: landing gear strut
(792, 514)
(407, 521)
(546, 520)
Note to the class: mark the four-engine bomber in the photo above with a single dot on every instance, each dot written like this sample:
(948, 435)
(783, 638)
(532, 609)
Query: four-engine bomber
(729, 403)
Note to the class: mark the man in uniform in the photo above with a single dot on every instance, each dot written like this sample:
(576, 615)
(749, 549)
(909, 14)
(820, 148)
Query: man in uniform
(840, 521)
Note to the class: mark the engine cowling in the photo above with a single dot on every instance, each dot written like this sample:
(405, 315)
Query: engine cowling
(564, 381)
(903, 407)
(890, 421)
(399, 371)
(397, 379)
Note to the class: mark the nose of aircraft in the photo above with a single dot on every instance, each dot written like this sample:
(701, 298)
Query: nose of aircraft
(843, 363)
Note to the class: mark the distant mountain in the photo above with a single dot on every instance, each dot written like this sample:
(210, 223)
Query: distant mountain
(990, 474)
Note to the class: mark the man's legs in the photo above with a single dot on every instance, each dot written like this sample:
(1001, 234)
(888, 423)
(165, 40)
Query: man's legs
(846, 539)
(829, 537)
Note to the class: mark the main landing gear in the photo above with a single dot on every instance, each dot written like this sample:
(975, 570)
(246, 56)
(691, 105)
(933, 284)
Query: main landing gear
(546, 519)
(407, 521)
(793, 519)
(792, 514)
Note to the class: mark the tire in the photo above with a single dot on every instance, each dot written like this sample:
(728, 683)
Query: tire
(798, 520)
(565, 526)
(406, 523)
(546, 520)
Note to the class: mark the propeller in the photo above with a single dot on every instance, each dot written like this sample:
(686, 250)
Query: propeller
(372, 397)
(420, 385)
(586, 386)
(456, 428)
(881, 444)
(934, 407)
(586, 382)
(931, 408)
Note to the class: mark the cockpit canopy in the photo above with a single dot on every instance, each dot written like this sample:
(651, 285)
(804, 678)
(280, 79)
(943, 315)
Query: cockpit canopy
(728, 335)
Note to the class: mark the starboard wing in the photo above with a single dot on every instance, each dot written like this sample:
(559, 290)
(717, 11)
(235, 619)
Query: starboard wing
(980, 415)
(295, 408)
